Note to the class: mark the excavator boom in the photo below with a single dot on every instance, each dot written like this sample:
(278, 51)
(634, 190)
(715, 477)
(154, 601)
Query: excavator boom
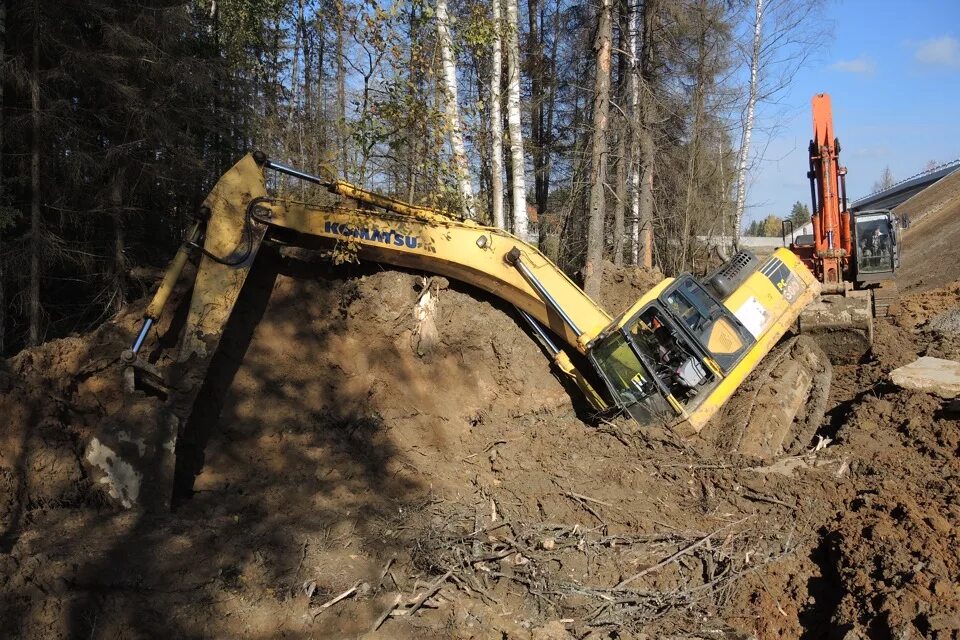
(842, 320)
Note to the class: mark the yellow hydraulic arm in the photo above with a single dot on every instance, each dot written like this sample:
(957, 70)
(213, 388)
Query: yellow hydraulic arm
(383, 230)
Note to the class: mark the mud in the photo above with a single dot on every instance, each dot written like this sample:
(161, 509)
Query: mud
(352, 456)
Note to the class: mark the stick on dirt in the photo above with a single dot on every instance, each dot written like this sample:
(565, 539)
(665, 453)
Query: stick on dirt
(580, 496)
(329, 603)
(383, 574)
(386, 614)
(687, 549)
(432, 589)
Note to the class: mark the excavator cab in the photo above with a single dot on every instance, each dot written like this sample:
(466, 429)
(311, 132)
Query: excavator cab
(876, 245)
(653, 367)
(687, 344)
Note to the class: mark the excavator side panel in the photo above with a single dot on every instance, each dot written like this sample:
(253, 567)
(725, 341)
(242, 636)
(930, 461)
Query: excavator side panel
(767, 304)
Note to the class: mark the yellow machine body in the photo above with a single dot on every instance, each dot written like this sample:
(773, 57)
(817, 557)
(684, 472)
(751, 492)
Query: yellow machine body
(682, 380)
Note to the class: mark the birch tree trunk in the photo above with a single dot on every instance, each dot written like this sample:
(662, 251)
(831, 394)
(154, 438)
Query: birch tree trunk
(460, 165)
(747, 131)
(496, 119)
(341, 88)
(33, 295)
(598, 156)
(633, 153)
(519, 190)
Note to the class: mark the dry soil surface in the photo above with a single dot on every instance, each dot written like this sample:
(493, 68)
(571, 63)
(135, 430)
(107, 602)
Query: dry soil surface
(361, 483)
(931, 256)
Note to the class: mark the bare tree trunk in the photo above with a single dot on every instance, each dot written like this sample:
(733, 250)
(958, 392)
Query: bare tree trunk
(295, 67)
(307, 67)
(700, 79)
(535, 71)
(633, 167)
(496, 118)
(3, 272)
(598, 157)
(118, 285)
(622, 134)
(341, 87)
(519, 208)
(651, 10)
(35, 228)
(548, 231)
(460, 164)
(748, 125)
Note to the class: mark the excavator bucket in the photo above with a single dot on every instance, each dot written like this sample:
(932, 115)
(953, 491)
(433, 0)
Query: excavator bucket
(842, 324)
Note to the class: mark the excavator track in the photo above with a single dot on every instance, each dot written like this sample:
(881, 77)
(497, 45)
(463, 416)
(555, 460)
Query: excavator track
(885, 299)
(781, 405)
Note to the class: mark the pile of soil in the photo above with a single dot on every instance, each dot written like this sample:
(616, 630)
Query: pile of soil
(931, 253)
(622, 286)
(452, 481)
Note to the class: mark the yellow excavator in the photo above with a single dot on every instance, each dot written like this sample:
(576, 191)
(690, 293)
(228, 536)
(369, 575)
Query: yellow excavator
(672, 359)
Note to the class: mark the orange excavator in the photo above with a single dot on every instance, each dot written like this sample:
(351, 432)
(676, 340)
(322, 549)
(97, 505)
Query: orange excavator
(854, 256)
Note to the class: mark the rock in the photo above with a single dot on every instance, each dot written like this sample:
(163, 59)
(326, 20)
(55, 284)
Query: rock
(932, 375)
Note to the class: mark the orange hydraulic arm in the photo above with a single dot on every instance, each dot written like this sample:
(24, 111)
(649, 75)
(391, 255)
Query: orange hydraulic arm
(828, 192)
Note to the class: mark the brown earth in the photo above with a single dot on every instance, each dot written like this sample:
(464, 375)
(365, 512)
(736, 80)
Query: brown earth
(344, 462)
(931, 252)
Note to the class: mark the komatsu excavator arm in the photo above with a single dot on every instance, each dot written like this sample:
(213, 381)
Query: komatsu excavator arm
(673, 358)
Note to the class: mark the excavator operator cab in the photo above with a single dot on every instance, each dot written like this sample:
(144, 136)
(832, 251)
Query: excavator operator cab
(664, 360)
(876, 245)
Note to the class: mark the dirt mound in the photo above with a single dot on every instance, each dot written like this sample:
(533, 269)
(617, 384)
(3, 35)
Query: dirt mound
(622, 286)
(403, 443)
(931, 246)
(935, 316)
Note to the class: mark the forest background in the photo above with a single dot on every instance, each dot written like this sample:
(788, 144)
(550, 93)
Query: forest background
(616, 130)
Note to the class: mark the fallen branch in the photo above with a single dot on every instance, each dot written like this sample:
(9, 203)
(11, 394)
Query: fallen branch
(688, 549)
(329, 603)
(383, 574)
(386, 614)
(580, 496)
(432, 589)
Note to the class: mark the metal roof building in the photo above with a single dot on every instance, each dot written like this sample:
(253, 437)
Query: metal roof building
(904, 190)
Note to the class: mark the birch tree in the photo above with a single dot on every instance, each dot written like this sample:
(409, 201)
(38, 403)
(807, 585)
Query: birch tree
(518, 188)
(598, 157)
(782, 35)
(496, 118)
(747, 131)
(633, 167)
(460, 164)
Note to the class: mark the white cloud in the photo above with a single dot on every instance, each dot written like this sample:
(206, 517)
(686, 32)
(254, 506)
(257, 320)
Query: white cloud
(944, 51)
(862, 64)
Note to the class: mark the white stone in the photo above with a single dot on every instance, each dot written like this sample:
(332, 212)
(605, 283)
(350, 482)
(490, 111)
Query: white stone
(933, 375)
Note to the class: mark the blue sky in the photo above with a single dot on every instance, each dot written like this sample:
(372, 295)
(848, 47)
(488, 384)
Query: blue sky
(892, 70)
